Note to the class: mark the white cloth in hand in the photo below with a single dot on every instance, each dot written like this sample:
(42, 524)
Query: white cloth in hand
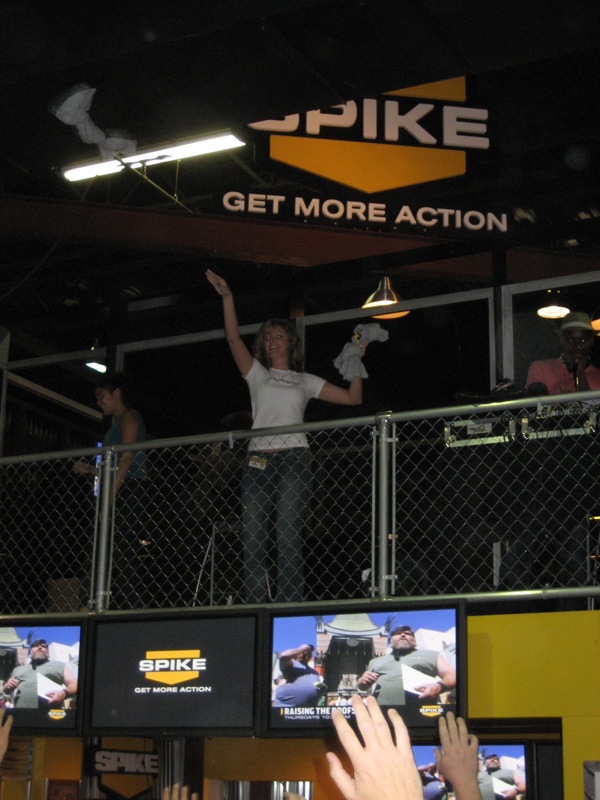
(371, 332)
(349, 362)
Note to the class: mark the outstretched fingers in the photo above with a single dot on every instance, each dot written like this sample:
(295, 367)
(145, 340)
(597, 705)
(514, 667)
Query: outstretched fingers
(401, 734)
(383, 763)
(342, 779)
(348, 739)
(177, 792)
(372, 725)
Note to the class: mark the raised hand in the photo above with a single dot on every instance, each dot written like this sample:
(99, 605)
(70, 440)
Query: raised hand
(219, 283)
(384, 767)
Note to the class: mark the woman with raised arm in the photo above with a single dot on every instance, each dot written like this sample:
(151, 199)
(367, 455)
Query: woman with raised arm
(277, 468)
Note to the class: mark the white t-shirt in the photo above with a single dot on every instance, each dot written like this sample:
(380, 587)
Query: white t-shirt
(279, 397)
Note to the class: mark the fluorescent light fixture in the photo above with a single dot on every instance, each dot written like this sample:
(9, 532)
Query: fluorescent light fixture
(213, 143)
(96, 365)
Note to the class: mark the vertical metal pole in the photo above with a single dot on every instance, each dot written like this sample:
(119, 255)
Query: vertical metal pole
(374, 538)
(383, 510)
(507, 366)
(392, 500)
(212, 545)
(499, 276)
(4, 348)
(3, 391)
(97, 516)
(106, 509)
(173, 759)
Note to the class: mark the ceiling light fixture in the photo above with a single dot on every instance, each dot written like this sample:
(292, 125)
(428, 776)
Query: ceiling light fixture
(392, 314)
(552, 305)
(96, 365)
(211, 143)
(384, 295)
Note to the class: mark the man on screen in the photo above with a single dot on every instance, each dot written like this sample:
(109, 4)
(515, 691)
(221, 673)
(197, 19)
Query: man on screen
(496, 782)
(23, 690)
(393, 680)
(298, 685)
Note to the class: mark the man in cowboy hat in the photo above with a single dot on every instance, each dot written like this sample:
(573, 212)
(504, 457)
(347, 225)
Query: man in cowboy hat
(572, 371)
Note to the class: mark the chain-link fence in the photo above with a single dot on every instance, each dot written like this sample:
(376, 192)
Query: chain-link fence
(457, 501)
(506, 499)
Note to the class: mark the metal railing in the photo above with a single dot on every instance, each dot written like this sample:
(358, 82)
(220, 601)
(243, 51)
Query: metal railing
(470, 501)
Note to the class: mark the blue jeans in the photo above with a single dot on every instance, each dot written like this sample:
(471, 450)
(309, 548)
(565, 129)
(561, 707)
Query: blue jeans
(284, 487)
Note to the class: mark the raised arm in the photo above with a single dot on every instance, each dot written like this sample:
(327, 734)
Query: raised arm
(302, 653)
(241, 355)
(384, 767)
(457, 759)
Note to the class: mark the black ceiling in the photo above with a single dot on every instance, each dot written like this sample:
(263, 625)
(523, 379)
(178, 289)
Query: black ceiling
(170, 70)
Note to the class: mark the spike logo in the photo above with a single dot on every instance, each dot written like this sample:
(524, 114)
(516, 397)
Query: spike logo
(172, 666)
(385, 143)
(431, 711)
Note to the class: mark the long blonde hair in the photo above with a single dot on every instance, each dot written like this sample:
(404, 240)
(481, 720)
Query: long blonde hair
(294, 344)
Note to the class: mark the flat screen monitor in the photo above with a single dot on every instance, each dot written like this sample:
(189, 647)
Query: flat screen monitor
(504, 768)
(173, 674)
(410, 656)
(41, 673)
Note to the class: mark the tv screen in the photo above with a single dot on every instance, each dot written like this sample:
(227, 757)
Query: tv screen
(40, 673)
(502, 768)
(411, 657)
(165, 674)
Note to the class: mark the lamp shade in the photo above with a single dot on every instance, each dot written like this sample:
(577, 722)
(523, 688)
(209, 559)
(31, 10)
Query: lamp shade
(384, 295)
(392, 315)
(596, 320)
(552, 305)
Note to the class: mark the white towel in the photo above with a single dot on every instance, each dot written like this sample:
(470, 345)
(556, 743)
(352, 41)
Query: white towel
(349, 362)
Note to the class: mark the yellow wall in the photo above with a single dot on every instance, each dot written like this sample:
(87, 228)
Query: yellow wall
(520, 665)
(541, 665)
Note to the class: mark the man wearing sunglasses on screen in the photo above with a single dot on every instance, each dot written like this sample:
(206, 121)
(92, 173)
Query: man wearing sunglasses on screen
(395, 680)
(52, 682)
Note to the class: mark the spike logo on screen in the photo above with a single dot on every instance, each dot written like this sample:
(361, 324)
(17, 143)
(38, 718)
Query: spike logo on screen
(172, 666)
(380, 144)
(431, 711)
